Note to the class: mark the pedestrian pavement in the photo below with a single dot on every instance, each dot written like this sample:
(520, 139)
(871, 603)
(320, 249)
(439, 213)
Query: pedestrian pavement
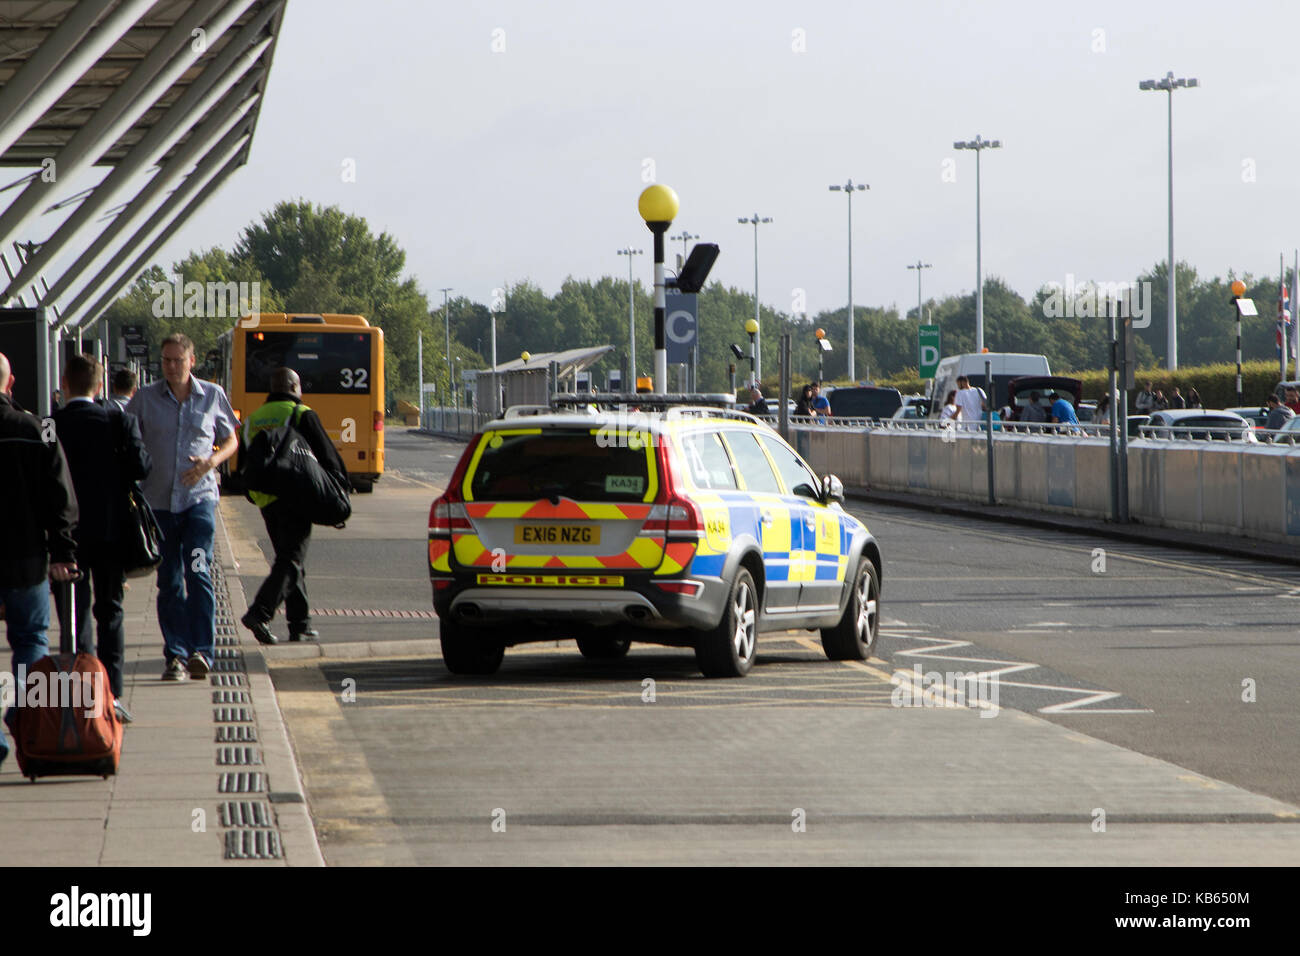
(207, 775)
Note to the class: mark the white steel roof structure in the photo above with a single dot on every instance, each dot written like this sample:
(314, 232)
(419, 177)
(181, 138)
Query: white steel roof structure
(126, 86)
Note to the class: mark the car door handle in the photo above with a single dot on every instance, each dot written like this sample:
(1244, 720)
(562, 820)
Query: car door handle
(766, 518)
(810, 522)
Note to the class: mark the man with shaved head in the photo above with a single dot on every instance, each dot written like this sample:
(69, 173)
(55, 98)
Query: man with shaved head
(290, 532)
(38, 512)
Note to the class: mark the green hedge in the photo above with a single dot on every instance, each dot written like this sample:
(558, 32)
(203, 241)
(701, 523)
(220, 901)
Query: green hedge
(1217, 384)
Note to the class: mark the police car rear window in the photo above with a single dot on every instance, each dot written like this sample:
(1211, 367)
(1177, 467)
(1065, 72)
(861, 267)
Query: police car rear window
(560, 465)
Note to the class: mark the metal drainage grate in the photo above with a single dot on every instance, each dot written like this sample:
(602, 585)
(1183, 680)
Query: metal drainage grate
(238, 756)
(236, 734)
(246, 813)
(227, 641)
(232, 715)
(227, 680)
(230, 697)
(253, 845)
(225, 666)
(227, 653)
(243, 781)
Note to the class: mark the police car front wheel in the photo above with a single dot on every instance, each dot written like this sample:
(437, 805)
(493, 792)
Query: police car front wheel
(854, 637)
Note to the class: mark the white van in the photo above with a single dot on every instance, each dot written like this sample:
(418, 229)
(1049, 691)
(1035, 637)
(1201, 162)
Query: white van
(1006, 366)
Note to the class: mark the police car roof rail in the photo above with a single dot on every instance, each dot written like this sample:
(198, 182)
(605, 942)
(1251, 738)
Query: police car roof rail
(645, 401)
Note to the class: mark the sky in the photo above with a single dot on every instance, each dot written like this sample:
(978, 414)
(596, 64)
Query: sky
(498, 142)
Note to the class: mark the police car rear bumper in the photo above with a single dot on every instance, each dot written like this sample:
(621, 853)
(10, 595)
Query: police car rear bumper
(646, 606)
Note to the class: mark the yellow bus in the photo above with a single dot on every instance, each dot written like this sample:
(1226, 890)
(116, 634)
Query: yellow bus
(340, 359)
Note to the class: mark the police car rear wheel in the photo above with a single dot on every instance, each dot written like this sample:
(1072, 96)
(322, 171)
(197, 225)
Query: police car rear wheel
(854, 637)
(728, 650)
(603, 647)
(468, 650)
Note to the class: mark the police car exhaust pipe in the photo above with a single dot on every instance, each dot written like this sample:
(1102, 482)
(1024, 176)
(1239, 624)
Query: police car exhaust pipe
(469, 610)
(637, 614)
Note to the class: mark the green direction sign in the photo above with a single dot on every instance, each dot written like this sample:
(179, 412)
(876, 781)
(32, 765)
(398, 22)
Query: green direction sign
(927, 347)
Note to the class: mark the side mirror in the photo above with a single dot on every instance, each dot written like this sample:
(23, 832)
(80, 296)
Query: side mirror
(832, 488)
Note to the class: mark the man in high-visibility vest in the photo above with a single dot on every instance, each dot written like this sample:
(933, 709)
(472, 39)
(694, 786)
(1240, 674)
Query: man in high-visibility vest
(290, 532)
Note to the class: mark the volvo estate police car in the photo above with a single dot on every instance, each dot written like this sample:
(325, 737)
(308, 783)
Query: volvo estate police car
(657, 522)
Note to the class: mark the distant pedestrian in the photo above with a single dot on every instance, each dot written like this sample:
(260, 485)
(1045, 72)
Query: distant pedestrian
(1146, 400)
(189, 429)
(757, 403)
(1194, 398)
(122, 388)
(1176, 399)
(1102, 415)
(289, 531)
(821, 406)
(948, 414)
(1278, 414)
(38, 512)
(972, 401)
(105, 456)
(1161, 403)
(803, 407)
(1063, 414)
(1034, 411)
(1292, 400)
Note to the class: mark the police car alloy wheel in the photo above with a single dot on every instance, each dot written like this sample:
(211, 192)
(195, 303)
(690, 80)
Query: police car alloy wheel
(854, 637)
(728, 650)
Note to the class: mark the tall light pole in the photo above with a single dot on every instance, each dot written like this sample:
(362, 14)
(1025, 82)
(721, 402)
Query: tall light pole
(684, 236)
(658, 206)
(849, 188)
(756, 221)
(631, 317)
(1168, 85)
(979, 145)
(446, 315)
(918, 267)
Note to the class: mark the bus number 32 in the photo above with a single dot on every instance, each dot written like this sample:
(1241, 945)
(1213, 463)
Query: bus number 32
(354, 379)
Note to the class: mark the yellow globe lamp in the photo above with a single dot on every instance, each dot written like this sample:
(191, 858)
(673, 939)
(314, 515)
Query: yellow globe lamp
(658, 203)
(821, 333)
(525, 356)
(751, 326)
(1238, 288)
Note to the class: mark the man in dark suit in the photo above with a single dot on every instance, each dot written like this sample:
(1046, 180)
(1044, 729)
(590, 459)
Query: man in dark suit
(105, 454)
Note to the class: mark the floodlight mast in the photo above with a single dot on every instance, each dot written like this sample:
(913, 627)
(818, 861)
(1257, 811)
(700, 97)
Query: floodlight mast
(1167, 85)
(848, 188)
(978, 145)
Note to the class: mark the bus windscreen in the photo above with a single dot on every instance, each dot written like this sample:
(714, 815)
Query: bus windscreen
(330, 363)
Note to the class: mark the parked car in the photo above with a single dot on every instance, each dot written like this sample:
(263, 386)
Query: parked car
(1210, 425)
(1004, 366)
(1254, 414)
(864, 401)
(1048, 387)
(1085, 412)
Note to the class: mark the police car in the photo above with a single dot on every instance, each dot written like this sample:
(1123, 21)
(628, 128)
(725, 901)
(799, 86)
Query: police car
(641, 518)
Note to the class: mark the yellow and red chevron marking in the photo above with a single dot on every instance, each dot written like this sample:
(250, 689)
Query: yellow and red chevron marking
(566, 508)
(677, 556)
(440, 554)
(643, 553)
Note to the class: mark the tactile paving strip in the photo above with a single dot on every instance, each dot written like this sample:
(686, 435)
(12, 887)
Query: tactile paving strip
(253, 845)
(251, 832)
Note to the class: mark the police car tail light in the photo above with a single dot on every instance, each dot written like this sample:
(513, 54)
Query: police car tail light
(689, 588)
(447, 514)
(680, 514)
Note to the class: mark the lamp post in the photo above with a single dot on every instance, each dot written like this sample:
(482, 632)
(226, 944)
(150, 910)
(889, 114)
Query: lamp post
(979, 145)
(446, 315)
(631, 308)
(849, 187)
(821, 353)
(756, 221)
(751, 326)
(1168, 85)
(918, 267)
(658, 206)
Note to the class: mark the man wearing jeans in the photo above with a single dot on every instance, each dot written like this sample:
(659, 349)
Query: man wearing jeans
(38, 512)
(189, 429)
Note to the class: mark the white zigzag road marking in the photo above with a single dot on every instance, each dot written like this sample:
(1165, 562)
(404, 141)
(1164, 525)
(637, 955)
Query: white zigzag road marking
(1087, 697)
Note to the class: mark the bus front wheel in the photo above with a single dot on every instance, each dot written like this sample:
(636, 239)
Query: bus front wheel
(363, 486)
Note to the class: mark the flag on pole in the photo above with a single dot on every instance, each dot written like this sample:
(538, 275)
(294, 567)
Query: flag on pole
(1285, 332)
(1295, 295)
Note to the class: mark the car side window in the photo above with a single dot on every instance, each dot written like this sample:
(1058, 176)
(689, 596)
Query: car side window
(794, 473)
(752, 463)
(707, 460)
